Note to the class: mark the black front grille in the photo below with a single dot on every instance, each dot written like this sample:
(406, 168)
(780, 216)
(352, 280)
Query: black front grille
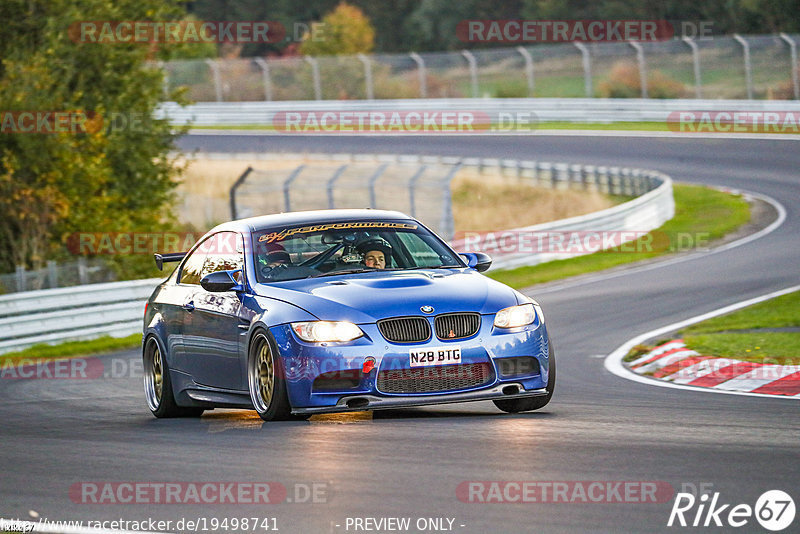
(434, 379)
(405, 329)
(457, 325)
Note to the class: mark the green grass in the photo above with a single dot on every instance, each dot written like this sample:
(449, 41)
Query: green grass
(736, 334)
(780, 312)
(74, 348)
(722, 336)
(782, 348)
(701, 215)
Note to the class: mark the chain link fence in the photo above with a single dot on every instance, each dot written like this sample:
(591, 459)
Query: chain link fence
(417, 185)
(736, 67)
(74, 273)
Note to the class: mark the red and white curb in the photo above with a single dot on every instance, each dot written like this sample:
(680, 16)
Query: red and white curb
(720, 375)
(675, 362)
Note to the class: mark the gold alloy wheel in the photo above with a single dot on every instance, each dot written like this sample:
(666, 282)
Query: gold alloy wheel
(158, 376)
(153, 375)
(266, 374)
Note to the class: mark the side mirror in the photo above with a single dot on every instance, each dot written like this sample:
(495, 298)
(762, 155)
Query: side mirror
(477, 260)
(221, 281)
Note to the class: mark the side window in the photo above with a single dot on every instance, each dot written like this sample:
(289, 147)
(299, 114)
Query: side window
(193, 266)
(224, 253)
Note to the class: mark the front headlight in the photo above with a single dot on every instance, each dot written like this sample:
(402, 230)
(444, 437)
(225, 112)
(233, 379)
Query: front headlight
(326, 331)
(515, 316)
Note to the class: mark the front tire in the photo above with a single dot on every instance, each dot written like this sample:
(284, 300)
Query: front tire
(158, 385)
(266, 380)
(532, 403)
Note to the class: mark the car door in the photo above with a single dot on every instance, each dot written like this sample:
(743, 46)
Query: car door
(212, 335)
(180, 305)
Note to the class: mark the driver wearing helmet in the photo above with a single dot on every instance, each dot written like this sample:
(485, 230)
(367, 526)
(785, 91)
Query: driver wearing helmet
(273, 255)
(376, 252)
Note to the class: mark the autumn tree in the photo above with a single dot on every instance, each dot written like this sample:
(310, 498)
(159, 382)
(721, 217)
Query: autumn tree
(346, 30)
(114, 174)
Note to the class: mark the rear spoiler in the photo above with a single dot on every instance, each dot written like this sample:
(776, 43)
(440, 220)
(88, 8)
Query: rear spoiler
(161, 259)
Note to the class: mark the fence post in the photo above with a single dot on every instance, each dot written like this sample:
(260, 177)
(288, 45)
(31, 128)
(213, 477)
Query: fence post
(642, 66)
(165, 80)
(372, 180)
(214, 66)
(473, 71)
(698, 83)
(528, 68)
(52, 274)
(332, 181)
(367, 76)
(264, 66)
(234, 187)
(544, 173)
(83, 271)
(412, 184)
(793, 55)
(748, 74)
(287, 184)
(423, 77)
(587, 68)
(20, 277)
(447, 213)
(315, 76)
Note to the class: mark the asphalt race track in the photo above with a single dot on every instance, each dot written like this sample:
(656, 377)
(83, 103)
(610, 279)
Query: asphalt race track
(599, 427)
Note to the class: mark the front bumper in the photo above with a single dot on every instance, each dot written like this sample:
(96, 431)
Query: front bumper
(303, 362)
(352, 403)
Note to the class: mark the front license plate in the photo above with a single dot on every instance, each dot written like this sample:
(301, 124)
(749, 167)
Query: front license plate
(434, 356)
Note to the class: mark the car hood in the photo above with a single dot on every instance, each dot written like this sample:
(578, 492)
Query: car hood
(367, 297)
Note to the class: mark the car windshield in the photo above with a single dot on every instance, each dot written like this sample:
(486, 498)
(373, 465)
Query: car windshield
(326, 249)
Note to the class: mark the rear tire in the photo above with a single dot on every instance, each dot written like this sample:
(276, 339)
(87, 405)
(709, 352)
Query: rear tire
(532, 403)
(266, 382)
(158, 385)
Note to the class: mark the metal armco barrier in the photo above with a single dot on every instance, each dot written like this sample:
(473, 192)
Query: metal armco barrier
(543, 109)
(73, 313)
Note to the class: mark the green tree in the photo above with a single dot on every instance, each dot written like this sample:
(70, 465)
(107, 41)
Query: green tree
(347, 31)
(114, 174)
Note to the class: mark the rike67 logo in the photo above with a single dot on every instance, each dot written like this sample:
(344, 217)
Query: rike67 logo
(774, 510)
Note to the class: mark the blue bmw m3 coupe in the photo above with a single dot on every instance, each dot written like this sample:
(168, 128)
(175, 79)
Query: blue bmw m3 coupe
(301, 313)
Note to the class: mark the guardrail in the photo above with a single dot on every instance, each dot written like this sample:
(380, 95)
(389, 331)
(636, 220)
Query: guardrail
(84, 312)
(652, 207)
(73, 313)
(266, 114)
